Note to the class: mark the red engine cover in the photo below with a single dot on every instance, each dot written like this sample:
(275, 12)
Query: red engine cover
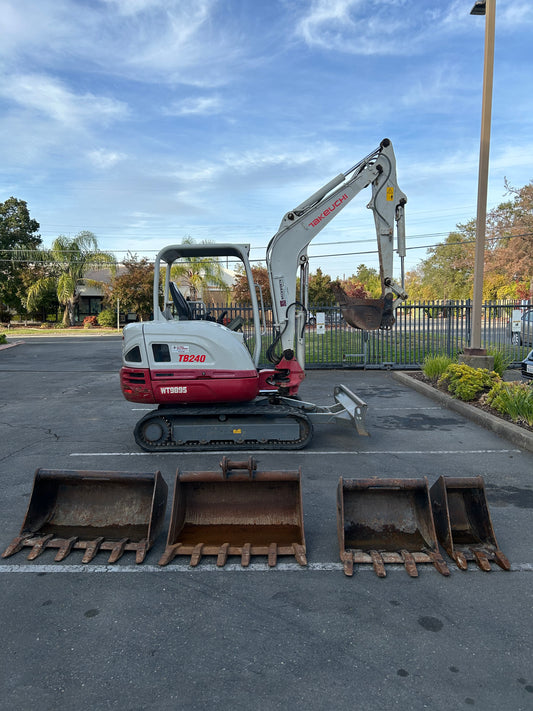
(167, 387)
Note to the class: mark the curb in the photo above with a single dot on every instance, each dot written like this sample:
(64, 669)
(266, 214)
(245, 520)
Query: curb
(522, 438)
(10, 345)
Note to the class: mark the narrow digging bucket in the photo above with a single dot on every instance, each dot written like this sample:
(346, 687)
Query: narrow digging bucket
(237, 511)
(383, 521)
(463, 523)
(92, 511)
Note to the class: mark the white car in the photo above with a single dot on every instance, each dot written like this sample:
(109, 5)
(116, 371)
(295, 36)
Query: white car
(523, 335)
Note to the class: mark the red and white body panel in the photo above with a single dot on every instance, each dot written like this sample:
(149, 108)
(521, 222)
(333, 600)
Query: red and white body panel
(172, 362)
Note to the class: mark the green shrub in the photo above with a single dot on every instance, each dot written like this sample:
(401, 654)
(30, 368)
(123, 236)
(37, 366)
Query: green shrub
(3, 338)
(502, 360)
(435, 365)
(468, 383)
(107, 318)
(513, 399)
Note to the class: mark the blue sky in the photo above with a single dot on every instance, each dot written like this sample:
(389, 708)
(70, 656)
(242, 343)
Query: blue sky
(147, 121)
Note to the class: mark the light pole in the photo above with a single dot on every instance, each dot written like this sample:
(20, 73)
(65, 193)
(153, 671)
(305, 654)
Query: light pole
(487, 8)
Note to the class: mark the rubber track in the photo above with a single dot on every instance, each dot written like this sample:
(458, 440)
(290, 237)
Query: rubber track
(172, 416)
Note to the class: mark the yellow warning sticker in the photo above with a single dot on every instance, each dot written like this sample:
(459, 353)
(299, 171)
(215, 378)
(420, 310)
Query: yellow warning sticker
(390, 194)
(237, 431)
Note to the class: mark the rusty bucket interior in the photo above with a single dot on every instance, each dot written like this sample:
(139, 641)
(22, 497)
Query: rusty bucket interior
(463, 522)
(383, 521)
(236, 511)
(92, 511)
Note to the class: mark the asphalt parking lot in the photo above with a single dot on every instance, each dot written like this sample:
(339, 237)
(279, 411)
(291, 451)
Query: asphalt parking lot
(144, 637)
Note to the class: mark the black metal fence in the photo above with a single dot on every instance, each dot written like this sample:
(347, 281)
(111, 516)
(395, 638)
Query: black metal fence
(420, 330)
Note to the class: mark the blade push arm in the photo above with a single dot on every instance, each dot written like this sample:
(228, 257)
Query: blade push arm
(287, 250)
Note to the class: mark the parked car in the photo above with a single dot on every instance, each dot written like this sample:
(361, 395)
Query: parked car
(524, 336)
(527, 366)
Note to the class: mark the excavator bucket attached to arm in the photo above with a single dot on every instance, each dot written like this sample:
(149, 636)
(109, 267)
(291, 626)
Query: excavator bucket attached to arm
(365, 314)
(238, 511)
(92, 511)
(463, 522)
(383, 521)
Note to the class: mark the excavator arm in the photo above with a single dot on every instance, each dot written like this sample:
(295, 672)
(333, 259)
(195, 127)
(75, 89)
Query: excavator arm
(287, 250)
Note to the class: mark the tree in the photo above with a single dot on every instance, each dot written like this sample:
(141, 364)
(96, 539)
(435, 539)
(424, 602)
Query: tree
(320, 293)
(370, 279)
(510, 240)
(133, 288)
(68, 260)
(448, 271)
(353, 288)
(17, 232)
(240, 292)
(199, 273)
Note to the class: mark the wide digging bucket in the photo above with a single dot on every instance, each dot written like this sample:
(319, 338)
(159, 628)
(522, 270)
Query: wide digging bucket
(383, 521)
(92, 511)
(236, 511)
(463, 523)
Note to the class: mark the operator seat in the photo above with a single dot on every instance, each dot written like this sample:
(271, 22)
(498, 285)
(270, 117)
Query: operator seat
(180, 302)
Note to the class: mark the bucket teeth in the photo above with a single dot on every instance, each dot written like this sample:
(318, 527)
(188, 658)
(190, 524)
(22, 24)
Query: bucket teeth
(501, 560)
(196, 555)
(92, 549)
(299, 554)
(117, 550)
(272, 555)
(378, 564)
(222, 555)
(39, 546)
(169, 554)
(15, 546)
(65, 548)
(245, 555)
(409, 563)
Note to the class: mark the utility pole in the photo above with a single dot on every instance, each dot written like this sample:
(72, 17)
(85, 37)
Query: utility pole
(476, 352)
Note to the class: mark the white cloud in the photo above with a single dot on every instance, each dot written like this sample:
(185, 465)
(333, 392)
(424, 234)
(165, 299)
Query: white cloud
(103, 159)
(163, 41)
(355, 27)
(197, 106)
(50, 97)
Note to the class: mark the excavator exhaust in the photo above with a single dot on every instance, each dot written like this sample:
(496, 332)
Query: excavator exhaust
(463, 522)
(238, 511)
(92, 511)
(382, 521)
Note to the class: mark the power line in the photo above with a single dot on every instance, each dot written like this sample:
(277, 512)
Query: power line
(38, 253)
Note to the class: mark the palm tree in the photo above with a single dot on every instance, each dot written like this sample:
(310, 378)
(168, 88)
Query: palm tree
(199, 273)
(68, 260)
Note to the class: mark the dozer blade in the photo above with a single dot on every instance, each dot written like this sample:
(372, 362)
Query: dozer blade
(92, 511)
(382, 521)
(237, 511)
(463, 523)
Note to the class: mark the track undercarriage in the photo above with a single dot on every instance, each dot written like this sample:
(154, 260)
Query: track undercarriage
(258, 425)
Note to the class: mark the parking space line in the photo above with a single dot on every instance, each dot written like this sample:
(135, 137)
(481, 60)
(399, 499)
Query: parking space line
(229, 568)
(373, 452)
